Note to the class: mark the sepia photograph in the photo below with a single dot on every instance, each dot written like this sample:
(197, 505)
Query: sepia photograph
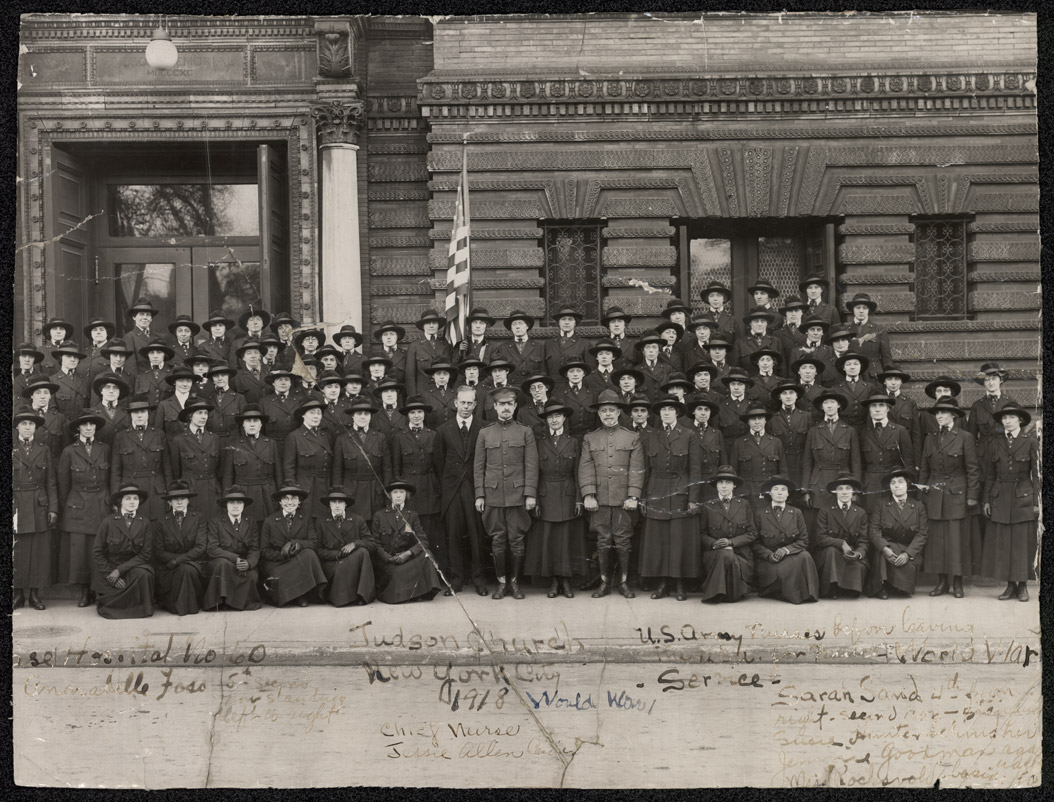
(589, 400)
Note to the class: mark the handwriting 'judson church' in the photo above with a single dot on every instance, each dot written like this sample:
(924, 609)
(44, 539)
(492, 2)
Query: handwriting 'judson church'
(877, 173)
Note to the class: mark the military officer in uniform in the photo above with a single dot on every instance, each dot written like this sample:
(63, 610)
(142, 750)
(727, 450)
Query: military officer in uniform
(884, 446)
(140, 456)
(832, 449)
(36, 505)
(727, 532)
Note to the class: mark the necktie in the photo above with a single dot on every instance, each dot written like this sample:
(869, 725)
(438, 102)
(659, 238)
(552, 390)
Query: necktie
(779, 511)
(1009, 440)
(757, 437)
(519, 346)
(179, 519)
(946, 428)
(726, 503)
(845, 508)
(432, 339)
(129, 517)
(288, 522)
(237, 522)
(391, 351)
(281, 397)
(830, 425)
(669, 431)
(666, 349)
(87, 444)
(26, 444)
(879, 427)
(339, 519)
(993, 398)
(199, 434)
(464, 434)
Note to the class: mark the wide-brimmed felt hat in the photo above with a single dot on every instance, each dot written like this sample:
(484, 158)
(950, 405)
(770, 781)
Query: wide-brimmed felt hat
(300, 336)
(702, 320)
(268, 340)
(500, 364)
(638, 400)
(525, 385)
(95, 322)
(907, 473)
(777, 391)
(805, 282)
(308, 404)
(263, 314)
(677, 380)
(234, 493)
(39, 383)
(573, 362)
(194, 404)
(157, 344)
(399, 483)
(361, 403)
(861, 298)
(389, 325)
(86, 416)
(726, 473)
(668, 401)
(471, 362)
(650, 338)
(279, 373)
(737, 375)
(864, 361)
(764, 286)
(615, 313)
(430, 316)
(283, 318)
(991, 369)
(778, 480)
(556, 405)
(289, 489)
(567, 311)
(252, 412)
(140, 401)
(25, 413)
(110, 378)
(809, 322)
(701, 367)
(669, 324)
(839, 331)
(845, 479)
(442, 364)
(519, 314)
(197, 356)
(792, 302)
(692, 402)
(756, 355)
(68, 348)
(717, 342)
(808, 359)
(606, 345)
(715, 286)
(55, 323)
(608, 398)
(843, 402)
(217, 316)
(946, 405)
(943, 381)
(880, 398)
(337, 494)
(480, 313)
(222, 367)
(676, 305)
(618, 374)
(142, 305)
(388, 383)
(347, 330)
(756, 411)
(178, 489)
(1012, 409)
(376, 359)
(250, 344)
(27, 349)
(758, 313)
(415, 402)
(894, 371)
(129, 490)
(184, 320)
(329, 377)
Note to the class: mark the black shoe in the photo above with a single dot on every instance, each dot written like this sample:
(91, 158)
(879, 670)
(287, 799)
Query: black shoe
(832, 594)
(603, 590)
(1010, 592)
(85, 598)
(481, 589)
(568, 593)
(501, 592)
(590, 584)
(625, 590)
(448, 592)
(941, 589)
(1022, 592)
(882, 594)
(301, 602)
(682, 595)
(957, 587)
(554, 589)
(660, 592)
(35, 602)
(19, 601)
(516, 592)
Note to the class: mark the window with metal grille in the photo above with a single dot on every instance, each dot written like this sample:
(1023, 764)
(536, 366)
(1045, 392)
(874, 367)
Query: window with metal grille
(940, 269)
(572, 270)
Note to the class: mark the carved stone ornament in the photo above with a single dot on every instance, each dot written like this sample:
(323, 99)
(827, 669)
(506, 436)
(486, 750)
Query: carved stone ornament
(334, 54)
(338, 122)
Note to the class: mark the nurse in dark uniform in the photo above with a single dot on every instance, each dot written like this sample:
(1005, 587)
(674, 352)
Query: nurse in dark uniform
(898, 530)
(124, 579)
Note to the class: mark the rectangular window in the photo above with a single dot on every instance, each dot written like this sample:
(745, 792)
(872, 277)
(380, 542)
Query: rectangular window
(572, 270)
(187, 210)
(940, 270)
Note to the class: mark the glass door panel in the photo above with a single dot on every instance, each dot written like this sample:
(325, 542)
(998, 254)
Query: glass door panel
(160, 276)
(229, 280)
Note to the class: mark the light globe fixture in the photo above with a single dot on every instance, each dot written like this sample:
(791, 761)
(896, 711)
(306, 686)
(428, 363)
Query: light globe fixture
(161, 54)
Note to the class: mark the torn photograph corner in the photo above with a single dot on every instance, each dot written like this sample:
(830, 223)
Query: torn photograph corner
(398, 396)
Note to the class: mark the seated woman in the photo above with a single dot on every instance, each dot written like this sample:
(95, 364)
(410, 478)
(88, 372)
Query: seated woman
(233, 549)
(290, 569)
(785, 569)
(842, 543)
(179, 552)
(405, 571)
(898, 531)
(345, 547)
(728, 534)
(123, 579)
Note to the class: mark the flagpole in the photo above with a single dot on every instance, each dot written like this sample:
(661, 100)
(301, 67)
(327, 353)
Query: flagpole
(468, 217)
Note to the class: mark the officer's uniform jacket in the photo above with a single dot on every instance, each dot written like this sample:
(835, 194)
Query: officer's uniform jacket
(583, 419)
(274, 534)
(822, 310)
(307, 460)
(229, 542)
(1012, 479)
(421, 355)
(181, 351)
(728, 417)
(673, 472)
(115, 420)
(123, 545)
(135, 339)
(388, 422)
(876, 349)
(611, 466)
(334, 535)
(413, 460)
(166, 416)
(882, 450)
(220, 351)
(757, 462)
(250, 386)
(597, 382)
(786, 531)
(280, 421)
(983, 422)
(83, 483)
(505, 469)
(654, 377)
(792, 430)
(558, 459)
(255, 464)
(221, 419)
(857, 393)
(827, 456)
(714, 455)
(72, 395)
(737, 524)
(763, 387)
(443, 402)
(142, 461)
(950, 468)
(903, 530)
(835, 526)
(335, 420)
(398, 359)
(560, 348)
(186, 542)
(34, 492)
(153, 384)
(527, 363)
(55, 433)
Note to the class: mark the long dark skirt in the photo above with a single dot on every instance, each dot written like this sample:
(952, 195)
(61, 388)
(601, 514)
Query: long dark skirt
(902, 578)
(180, 589)
(948, 548)
(136, 600)
(226, 585)
(76, 564)
(1010, 551)
(792, 579)
(727, 575)
(556, 548)
(834, 569)
(284, 581)
(32, 557)
(670, 548)
(416, 578)
(351, 578)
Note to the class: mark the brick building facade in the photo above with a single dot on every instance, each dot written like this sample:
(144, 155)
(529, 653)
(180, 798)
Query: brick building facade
(613, 159)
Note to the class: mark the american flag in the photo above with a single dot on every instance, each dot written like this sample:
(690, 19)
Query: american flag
(458, 269)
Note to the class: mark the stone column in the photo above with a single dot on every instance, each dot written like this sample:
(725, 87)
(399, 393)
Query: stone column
(338, 124)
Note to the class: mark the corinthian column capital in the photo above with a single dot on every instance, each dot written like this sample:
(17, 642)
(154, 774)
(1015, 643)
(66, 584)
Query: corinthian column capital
(339, 122)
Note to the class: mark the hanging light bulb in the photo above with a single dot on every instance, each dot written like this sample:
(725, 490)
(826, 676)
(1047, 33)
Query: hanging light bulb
(161, 54)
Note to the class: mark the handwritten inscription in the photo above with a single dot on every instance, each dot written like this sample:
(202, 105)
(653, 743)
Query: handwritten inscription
(173, 650)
